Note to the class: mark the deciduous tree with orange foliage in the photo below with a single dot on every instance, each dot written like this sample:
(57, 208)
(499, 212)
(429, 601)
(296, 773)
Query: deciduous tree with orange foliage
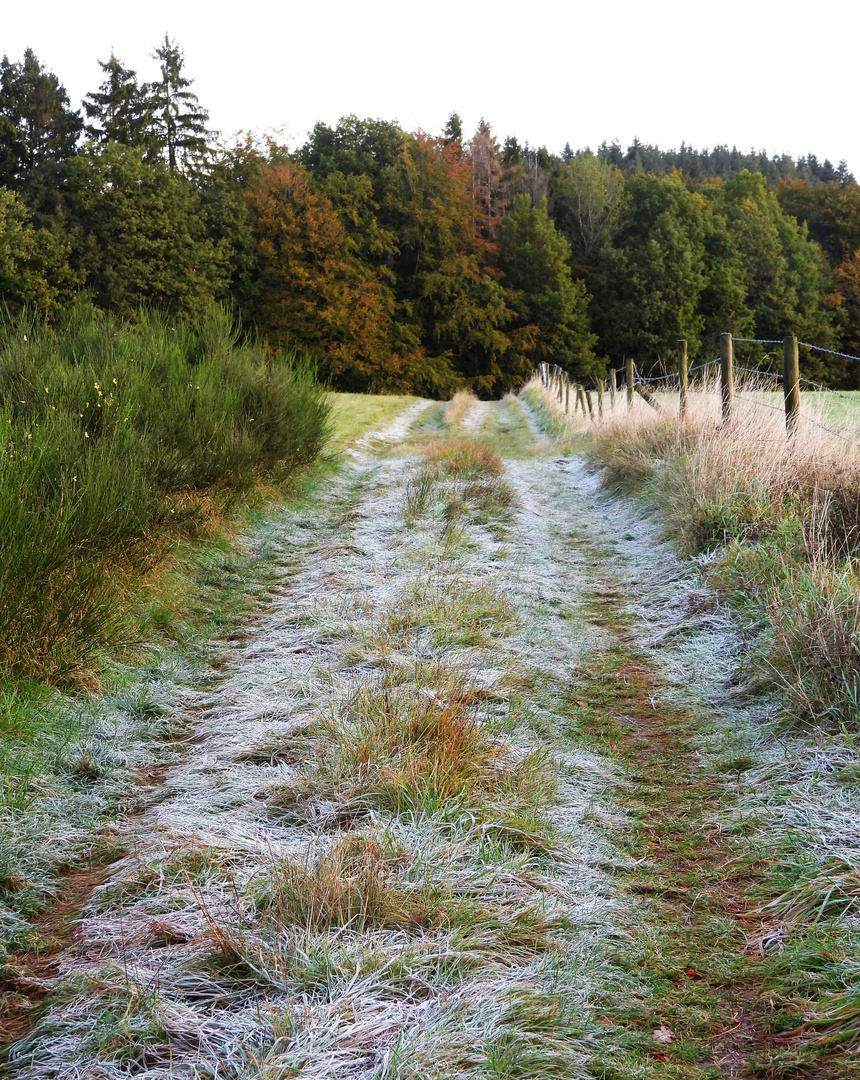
(311, 290)
(445, 281)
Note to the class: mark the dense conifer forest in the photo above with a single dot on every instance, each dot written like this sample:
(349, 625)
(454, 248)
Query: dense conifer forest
(409, 261)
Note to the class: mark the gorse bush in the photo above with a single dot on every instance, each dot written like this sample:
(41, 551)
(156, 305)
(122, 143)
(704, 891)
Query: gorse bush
(110, 433)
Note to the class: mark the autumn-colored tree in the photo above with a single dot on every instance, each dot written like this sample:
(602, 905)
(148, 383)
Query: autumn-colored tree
(311, 290)
(407, 203)
(445, 286)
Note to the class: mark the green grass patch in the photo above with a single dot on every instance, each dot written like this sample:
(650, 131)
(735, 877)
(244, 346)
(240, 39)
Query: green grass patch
(355, 415)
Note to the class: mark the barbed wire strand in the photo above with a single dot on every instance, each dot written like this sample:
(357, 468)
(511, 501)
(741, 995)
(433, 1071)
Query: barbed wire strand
(763, 404)
(831, 352)
(826, 389)
(830, 431)
(808, 419)
(759, 341)
(657, 378)
(756, 371)
(675, 375)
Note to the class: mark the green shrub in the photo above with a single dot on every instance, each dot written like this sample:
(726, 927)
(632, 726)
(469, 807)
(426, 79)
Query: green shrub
(109, 431)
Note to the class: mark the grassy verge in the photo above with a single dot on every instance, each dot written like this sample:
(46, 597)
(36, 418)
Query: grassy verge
(72, 762)
(771, 523)
(776, 524)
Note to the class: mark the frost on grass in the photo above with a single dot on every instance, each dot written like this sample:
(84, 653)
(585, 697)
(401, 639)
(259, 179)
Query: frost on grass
(378, 858)
(791, 795)
(62, 781)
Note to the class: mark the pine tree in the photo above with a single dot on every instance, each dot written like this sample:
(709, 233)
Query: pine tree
(38, 131)
(454, 130)
(179, 121)
(118, 110)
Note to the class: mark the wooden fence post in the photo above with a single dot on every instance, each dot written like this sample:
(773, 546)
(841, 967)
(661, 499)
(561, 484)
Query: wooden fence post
(580, 399)
(590, 407)
(562, 375)
(613, 388)
(600, 398)
(727, 376)
(791, 382)
(629, 364)
(567, 397)
(682, 379)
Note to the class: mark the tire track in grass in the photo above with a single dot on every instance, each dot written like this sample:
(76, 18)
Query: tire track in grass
(658, 700)
(29, 973)
(376, 860)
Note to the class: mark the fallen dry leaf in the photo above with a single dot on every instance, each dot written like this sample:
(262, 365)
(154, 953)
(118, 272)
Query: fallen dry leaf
(663, 1035)
(691, 973)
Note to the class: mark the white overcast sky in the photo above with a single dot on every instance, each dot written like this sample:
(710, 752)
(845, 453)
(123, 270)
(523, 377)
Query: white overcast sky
(777, 76)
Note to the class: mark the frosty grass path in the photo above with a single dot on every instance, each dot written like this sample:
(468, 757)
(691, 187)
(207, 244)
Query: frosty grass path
(403, 841)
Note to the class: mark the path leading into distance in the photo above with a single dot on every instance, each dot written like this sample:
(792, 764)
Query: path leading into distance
(442, 815)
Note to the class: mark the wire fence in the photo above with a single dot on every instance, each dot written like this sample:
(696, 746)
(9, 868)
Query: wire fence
(831, 352)
(676, 382)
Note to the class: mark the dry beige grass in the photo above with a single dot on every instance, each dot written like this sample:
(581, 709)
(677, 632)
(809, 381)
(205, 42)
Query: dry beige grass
(780, 516)
(459, 408)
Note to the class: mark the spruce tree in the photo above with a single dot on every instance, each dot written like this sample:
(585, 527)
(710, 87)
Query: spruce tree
(38, 131)
(454, 129)
(551, 308)
(179, 121)
(117, 111)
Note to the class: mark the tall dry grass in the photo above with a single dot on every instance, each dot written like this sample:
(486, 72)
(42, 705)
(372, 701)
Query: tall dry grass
(778, 515)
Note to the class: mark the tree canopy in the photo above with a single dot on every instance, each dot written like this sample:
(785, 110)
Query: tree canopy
(407, 261)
